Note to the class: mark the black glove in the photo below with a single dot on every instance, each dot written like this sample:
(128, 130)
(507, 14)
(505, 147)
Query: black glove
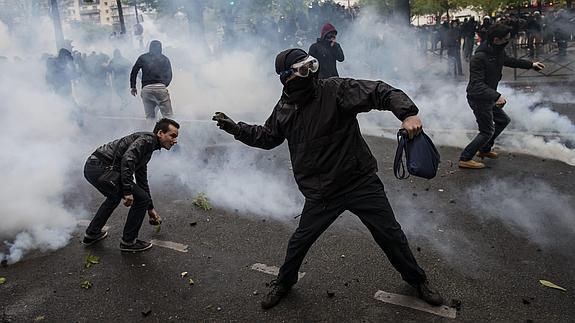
(226, 123)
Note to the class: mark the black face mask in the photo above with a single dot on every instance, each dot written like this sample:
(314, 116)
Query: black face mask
(300, 90)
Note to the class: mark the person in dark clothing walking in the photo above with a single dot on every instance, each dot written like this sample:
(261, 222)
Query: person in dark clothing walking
(156, 77)
(327, 51)
(468, 34)
(60, 72)
(130, 155)
(487, 104)
(119, 68)
(453, 42)
(332, 163)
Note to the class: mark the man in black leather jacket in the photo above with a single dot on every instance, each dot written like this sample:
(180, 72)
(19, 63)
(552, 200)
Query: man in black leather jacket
(130, 155)
(332, 164)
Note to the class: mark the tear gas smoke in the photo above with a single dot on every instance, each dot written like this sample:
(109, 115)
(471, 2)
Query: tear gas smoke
(47, 148)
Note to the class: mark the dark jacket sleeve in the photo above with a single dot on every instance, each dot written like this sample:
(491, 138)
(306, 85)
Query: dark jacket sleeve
(337, 52)
(477, 87)
(135, 152)
(168, 72)
(142, 181)
(517, 63)
(137, 66)
(357, 96)
(313, 50)
(265, 137)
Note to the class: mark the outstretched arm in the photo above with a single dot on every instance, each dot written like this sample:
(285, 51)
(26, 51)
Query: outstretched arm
(265, 137)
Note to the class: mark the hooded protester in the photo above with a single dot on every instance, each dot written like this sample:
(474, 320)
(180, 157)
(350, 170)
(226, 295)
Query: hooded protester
(327, 51)
(59, 73)
(156, 77)
(130, 156)
(119, 68)
(332, 164)
(487, 104)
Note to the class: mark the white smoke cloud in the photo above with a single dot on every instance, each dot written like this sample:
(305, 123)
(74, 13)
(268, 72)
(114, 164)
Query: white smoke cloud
(47, 149)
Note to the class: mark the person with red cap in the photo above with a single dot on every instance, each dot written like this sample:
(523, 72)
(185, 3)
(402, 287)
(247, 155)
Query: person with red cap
(332, 164)
(327, 51)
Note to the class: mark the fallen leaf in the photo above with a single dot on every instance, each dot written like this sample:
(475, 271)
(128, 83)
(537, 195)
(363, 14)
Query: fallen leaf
(91, 260)
(549, 284)
(202, 202)
(86, 284)
(2, 280)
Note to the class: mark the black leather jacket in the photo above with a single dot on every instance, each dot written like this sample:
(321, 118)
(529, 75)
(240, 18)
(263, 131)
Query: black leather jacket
(328, 154)
(130, 155)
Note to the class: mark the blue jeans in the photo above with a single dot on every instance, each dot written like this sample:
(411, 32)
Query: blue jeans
(93, 169)
(491, 120)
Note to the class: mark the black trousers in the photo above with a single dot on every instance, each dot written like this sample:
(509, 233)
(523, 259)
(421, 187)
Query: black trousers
(491, 121)
(93, 169)
(370, 204)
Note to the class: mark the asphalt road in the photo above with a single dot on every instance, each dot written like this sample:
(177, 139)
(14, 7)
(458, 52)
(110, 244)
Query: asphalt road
(485, 238)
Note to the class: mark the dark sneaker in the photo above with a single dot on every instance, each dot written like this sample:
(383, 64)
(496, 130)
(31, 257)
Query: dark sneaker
(428, 295)
(90, 240)
(279, 291)
(137, 246)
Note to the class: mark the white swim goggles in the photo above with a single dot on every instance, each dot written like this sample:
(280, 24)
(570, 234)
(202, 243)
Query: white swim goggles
(309, 64)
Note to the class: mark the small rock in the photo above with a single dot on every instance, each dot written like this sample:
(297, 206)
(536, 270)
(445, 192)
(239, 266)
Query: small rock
(330, 294)
(427, 189)
(146, 312)
(441, 190)
(430, 211)
(143, 265)
(343, 256)
(255, 292)
(526, 301)
(452, 201)
(193, 223)
(219, 308)
(184, 274)
(419, 249)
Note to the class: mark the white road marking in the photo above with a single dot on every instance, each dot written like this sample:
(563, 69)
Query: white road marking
(272, 270)
(415, 303)
(86, 223)
(170, 245)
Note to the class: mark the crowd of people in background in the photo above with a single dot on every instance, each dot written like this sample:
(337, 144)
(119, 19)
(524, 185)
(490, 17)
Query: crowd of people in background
(533, 32)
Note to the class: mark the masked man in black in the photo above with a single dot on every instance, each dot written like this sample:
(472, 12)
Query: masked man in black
(332, 164)
(487, 104)
(130, 155)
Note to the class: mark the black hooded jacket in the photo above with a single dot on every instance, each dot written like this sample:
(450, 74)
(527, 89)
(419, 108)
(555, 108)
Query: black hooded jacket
(485, 72)
(328, 154)
(132, 154)
(156, 67)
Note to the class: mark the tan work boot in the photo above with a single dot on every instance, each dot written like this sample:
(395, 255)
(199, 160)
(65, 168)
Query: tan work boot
(492, 154)
(471, 164)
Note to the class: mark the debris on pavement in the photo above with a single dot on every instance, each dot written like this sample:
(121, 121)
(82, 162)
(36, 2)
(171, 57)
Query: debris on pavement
(39, 318)
(147, 312)
(193, 223)
(86, 284)
(455, 303)
(91, 260)
(549, 284)
(2, 280)
(330, 294)
(184, 274)
(202, 202)
(190, 281)
(526, 301)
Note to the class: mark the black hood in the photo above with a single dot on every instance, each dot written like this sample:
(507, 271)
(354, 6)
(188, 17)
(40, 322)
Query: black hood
(155, 47)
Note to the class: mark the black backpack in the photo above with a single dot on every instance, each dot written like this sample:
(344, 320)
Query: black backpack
(421, 156)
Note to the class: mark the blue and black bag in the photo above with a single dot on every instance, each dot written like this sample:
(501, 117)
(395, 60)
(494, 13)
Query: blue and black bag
(421, 156)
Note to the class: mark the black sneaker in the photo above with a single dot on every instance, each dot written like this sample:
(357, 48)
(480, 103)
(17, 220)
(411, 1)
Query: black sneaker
(428, 295)
(137, 246)
(90, 240)
(279, 291)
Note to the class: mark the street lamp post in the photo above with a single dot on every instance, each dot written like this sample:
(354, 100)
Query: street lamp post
(57, 24)
(121, 14)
